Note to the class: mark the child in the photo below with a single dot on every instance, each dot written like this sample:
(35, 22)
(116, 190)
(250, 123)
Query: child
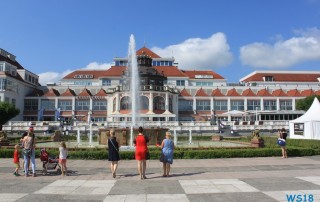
(16, 159)
(63, 157)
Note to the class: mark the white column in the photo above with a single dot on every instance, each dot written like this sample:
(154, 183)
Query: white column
(167, 102)
(194, 106)
(117, 103)
(245, 104)
(278, 104)
(211, 104)
(151, 102)
(293, 104)
(261, 104)
(229, 108)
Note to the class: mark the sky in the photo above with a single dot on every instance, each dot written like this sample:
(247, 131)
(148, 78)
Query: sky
(230, 37)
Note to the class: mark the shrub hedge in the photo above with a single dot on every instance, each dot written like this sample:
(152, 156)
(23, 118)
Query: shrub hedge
(295, 147)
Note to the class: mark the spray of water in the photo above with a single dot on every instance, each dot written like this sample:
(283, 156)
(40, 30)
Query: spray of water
(134, 85)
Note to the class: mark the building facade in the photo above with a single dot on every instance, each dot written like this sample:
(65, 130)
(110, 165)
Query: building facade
(168, 93)
(15, 82)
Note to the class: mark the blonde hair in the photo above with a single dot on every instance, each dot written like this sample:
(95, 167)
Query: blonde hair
(112, 132)
(168, 134)
(63, 144)
(16, 146)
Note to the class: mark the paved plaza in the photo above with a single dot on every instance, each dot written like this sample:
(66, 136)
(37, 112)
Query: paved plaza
(233, 179)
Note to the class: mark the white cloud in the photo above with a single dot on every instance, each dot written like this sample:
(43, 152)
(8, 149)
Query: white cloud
(97, 66)
(54, 77)
(199, 53)
(284, 53)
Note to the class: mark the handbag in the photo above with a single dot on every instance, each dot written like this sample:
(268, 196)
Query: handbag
(147, 155)
(162, 157)
(281, 142)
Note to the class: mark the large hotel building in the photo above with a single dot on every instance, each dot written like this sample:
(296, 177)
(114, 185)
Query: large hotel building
(167, 93)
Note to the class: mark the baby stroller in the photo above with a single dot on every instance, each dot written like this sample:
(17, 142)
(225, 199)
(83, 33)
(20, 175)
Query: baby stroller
(49, 163)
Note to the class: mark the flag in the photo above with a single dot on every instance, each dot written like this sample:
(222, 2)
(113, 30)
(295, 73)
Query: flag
(40, 114)
(58, 113)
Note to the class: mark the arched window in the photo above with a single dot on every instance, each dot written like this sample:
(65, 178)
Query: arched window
(125, 103)
(144, 102)
(158, 103)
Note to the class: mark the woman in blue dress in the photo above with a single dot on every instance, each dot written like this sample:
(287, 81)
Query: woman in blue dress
(167, 146)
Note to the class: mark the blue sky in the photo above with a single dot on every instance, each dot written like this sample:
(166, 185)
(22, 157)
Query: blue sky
(230, 37)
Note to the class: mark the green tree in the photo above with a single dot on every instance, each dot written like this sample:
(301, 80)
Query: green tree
(305, 104)
(7, 112)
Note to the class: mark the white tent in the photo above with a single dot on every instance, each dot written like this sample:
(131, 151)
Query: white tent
(307, 126)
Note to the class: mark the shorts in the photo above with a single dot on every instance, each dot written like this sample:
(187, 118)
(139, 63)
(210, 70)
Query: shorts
(17, 165)
(62, 160)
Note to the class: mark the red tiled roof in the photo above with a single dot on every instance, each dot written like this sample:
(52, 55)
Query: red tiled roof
(201, 93)
(263, 92)
(68, 92)
(233, 92)
(285, 76)
(279, 93)
(192, 73)
(52, 93)
(217, 93)
(101, 92)
(317, 92)
(115, 71)
(294, 93)
(248, 92)
(147, 51)
(184, 93)
(85, 92)
(308, 92)
(172, 71)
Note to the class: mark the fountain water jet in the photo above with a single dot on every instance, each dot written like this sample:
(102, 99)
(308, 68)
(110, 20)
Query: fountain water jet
(134, 85)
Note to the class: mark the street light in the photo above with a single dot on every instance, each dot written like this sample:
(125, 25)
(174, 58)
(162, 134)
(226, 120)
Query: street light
(256, 113)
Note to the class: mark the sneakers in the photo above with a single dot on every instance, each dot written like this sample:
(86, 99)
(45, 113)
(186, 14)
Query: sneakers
(16, 174)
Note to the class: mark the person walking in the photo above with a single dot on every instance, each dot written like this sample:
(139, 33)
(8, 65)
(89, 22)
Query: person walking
(113, 153)
(283, 135)
(29, 146)
(16, 160)
(63, 154)
(167, 147)
(141, 153)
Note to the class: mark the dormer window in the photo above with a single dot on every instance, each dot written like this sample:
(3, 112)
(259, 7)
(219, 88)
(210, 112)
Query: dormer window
(268, 78)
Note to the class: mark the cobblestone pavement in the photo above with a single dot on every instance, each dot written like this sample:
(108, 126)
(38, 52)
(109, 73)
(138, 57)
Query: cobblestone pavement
(232, 179)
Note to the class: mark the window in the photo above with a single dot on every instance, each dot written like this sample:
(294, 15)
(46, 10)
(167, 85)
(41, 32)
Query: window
(1, 67)
(14, 102)
(31, 105)
(3, 84)
(170, 105)
(253, 105)
(99, 119)
(221, 105)
(203, 105)
(106, 82)
(285, 104)
(48, 105)
(237, 105)
(270, 105)
(158, 103)
(82, 105)
(180, 83)
(144, 102)
(65, 105)
(185, 105)
(125, 103)
(100, 105)
(268, 78)
(204, 83)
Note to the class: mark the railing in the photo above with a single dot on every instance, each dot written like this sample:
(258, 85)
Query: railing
(172, 125)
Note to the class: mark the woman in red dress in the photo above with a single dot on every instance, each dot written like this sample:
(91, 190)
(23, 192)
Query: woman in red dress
(141, 151)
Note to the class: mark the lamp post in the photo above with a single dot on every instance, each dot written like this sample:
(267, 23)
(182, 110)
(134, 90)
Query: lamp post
(256, 113)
